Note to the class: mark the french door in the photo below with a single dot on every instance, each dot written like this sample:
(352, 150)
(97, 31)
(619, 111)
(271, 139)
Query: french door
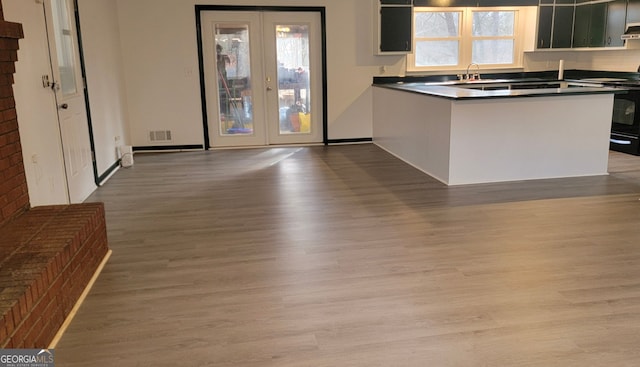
(263, 77)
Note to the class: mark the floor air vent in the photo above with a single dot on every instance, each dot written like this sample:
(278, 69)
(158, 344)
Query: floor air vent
(160, 135)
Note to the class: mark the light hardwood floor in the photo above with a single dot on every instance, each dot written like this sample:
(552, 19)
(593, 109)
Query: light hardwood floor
(345, 256)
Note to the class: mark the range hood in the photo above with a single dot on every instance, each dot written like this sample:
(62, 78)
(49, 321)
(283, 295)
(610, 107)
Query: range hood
(632, 32)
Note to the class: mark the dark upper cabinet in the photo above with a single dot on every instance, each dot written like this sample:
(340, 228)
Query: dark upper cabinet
(396, 2)
(450, 3)
(479, 3)
(562, 26)
(589, 25)
(555, 25)
(545, 23)
(616, 20)
(584, 23)
(394, 27)
(597, 24)
(633, 11)
(581, 26)
(482, 3)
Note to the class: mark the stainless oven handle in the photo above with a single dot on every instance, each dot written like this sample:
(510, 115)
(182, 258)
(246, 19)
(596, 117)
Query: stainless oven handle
(621, 142)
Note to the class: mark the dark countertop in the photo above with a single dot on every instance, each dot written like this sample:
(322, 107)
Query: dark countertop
(447, 86)
(530, 75)
(461, 91)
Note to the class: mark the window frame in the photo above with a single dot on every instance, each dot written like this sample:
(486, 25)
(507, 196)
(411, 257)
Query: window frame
(466, 38)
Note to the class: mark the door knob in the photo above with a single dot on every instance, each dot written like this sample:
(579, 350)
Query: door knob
(64, 106)
(269, 88)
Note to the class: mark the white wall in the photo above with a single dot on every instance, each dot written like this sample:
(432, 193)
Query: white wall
(105, 79)
(159, 50)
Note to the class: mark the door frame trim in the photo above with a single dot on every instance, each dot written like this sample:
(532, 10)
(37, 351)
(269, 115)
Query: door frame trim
(323, 35)
(85, 89)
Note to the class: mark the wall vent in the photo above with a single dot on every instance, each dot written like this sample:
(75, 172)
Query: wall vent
(160, 135)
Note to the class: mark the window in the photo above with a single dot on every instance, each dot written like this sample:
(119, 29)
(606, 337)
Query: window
(493, 37)
(438, 38)
(457, 37)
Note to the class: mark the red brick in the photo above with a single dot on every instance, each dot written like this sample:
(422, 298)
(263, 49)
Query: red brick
(9, 322)
(6, 67)
(9, 344)
(9, 114)
(71, 239)
(7, 55)
(6, 103)
(10, 31)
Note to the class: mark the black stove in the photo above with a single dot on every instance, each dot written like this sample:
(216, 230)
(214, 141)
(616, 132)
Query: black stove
(614, 82)
(625, 126)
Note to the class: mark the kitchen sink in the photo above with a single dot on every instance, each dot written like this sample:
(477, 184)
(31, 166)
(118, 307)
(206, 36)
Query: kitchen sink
(519, 85)
(513, 86)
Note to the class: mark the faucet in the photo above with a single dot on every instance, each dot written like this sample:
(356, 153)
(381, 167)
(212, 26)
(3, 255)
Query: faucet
(476, 75)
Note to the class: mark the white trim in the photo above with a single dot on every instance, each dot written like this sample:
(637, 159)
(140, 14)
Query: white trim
(76, 306)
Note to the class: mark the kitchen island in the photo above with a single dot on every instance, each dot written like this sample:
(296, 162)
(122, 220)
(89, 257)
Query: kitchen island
(465, 133)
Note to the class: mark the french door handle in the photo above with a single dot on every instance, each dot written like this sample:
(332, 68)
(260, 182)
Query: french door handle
(64, 106)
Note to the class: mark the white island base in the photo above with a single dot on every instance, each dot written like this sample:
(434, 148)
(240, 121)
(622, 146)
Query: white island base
(495, 139)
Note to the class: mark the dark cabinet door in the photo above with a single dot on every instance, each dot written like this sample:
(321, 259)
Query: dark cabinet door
(396, 2)
(597, 25)
(562, 26)
(395, 29)
(585, 23)
(633, 11)
(545, 22)
(590, 25)
(581, 26)
(616, 17)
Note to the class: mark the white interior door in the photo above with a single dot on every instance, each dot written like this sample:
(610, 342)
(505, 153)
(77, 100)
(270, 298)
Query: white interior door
(69, 91)
(263, 77)
(36, 107)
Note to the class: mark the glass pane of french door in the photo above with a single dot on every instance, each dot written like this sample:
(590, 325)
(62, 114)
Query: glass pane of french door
(233, 66)
(294, 94)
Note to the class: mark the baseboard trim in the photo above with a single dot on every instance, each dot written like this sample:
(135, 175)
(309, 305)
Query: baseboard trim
(78, 303)
(103, 177)
(347, 141)
(168, 147)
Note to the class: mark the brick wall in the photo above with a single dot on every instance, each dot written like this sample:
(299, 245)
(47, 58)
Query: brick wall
(48, 255)
(14, 197)
(47, 258)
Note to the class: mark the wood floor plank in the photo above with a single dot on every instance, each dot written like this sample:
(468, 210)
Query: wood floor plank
(345, 256)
